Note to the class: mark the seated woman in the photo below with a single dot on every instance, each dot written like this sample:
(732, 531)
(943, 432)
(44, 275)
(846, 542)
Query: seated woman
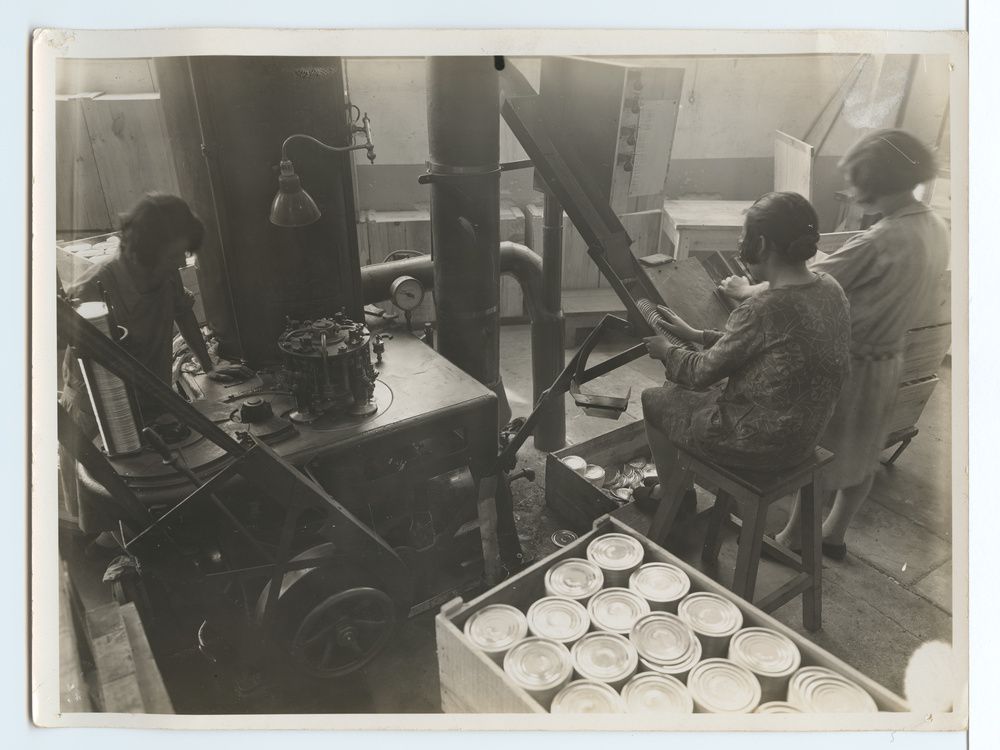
(785, 352)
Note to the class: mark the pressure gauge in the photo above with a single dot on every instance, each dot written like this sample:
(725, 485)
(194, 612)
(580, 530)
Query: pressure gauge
(407, 293)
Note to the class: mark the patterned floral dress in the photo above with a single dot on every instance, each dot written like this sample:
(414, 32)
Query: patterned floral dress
(785, 353)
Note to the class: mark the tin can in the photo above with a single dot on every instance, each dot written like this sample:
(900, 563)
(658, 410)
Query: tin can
(495, 629)
(574, 578)
(771, 656)
(617, 555)
(713, 618)
(575, 463)
(558, 619)
(650, 693)
(605, 657)
(588, 697)
(662, 585)
(776, 707)
(718, 686)
(540, 667)
(594, 474)
(666, 644)
(616, 610)
(821, 690)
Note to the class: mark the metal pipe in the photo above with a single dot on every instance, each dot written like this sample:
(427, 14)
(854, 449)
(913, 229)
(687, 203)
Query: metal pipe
(463, 129)
(547, 357)
(546, 321)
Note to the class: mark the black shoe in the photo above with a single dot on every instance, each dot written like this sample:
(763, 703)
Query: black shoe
(836, 552)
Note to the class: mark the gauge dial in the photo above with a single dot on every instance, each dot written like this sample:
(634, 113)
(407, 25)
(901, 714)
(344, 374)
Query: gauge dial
(407, 293)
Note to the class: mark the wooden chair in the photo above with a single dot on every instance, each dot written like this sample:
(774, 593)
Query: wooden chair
(754, 492)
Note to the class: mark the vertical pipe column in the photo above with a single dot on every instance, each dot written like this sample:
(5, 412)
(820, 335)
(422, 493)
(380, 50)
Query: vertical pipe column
(547, 353)
(463, 125)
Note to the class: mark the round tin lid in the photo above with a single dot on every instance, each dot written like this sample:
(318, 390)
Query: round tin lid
(575, 463)
(594, 474)
(558, 618)
(496, 627)
(776, 707)
(660, 582)
(710, 614)
(615, 552)
(575, 578)
(538, 664)
(664, 639)
(765, 652)
(623, 493)
(562, 537)
(720, 686)
(616, 610)
(679, 667)
(92, 310)
(604, 656)
(587, 697)
(656, 694)
(823, 691)
(638, 463)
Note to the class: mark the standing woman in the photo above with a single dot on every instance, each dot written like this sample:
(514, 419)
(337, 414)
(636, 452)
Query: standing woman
(888, 273)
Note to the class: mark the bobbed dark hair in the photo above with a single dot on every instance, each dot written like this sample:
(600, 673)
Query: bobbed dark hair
(787, 221)
(156, 221)
(886, 162)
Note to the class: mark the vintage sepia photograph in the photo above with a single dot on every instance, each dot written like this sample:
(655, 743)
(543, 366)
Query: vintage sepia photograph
(404, 385)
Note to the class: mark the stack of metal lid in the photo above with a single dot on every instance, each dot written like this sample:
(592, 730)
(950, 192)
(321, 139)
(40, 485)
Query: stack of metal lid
(616, 610)
(713, 618)
(495, 629)
(771, 656)
(665, 644)
(540, 667)
(605, 657)
(823, 691)
(719, 686)
(617, 555)
(662, 585)
(575, 579)
(656, 694)
(776, 707)
(559, 619)
(588, 697)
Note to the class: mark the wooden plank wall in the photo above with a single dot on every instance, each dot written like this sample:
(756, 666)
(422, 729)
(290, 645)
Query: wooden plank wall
(793, 161)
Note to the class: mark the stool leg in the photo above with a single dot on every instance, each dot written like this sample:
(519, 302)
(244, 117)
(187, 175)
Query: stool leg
(670, 504)
(748, 553)
(720, 514)
(812, 560)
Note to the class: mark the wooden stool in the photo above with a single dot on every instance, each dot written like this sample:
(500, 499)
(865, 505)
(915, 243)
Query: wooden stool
(754, 492)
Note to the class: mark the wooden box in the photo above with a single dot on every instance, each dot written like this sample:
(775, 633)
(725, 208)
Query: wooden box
(700, 227)
(472, 683)
(572, 498)
(924, 351)
(911, 398)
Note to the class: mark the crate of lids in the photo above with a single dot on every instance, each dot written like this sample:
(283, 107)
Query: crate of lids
(616, 635)
(617, 483)
(92, 248)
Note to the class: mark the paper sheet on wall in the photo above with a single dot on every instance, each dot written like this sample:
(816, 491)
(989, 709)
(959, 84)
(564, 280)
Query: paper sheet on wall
(652, 148)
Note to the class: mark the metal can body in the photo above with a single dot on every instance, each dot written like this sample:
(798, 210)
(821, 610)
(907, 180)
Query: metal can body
(540, 667)
(656, 694)
(617, 555)
(771, 656)
(713, 618)
(718, 686)
(605, 657)
(495, 629)
(559, 619)
(575, 579)
(616, 610)
(575, 463)
(776, 707)
(662, 585)
(588, 697)
(666, 644)
(821, 690)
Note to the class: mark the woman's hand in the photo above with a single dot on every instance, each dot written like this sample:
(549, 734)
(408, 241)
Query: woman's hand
(737, 287)
(657, 346)
(677, 326)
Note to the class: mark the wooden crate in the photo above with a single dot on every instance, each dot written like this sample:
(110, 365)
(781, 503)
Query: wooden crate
(471, 682)
(924, 351)
(911, 398)
(572, 498)
(700, 227)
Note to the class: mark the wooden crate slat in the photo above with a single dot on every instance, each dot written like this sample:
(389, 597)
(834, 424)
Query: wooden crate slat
(911, 398)
(154, 693)
(925, 349)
